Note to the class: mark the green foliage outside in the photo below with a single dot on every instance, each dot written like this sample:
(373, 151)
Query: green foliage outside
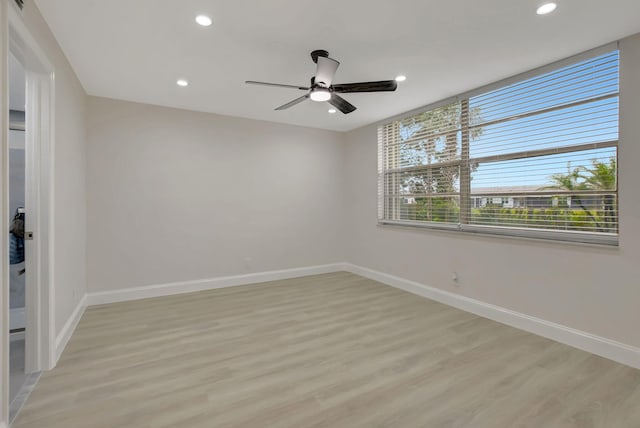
(585, 213)
(440, 133)
(441, 210)
(600, 176)
(554, 218)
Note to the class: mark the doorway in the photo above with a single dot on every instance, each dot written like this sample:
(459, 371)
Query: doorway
(29, 282)
(17, 193)
(19, 378)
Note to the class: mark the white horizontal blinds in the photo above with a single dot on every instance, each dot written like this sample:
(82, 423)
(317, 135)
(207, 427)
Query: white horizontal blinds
(421, 159)
(382, 147)
(429, 137)
(544, 154)
(387, 160)
(571, 106)
(536, 155)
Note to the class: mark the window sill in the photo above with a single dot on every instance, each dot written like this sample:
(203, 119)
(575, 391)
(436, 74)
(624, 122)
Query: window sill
(578, 238)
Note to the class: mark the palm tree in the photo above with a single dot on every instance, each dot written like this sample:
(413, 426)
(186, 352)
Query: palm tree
(573, 181)
(603, 176)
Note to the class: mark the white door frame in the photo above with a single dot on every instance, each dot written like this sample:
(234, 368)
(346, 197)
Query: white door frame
(39, 146)
(4, 212)
(40, 337)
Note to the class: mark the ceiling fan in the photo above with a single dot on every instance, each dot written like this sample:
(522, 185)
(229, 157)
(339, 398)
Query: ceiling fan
(323, 89)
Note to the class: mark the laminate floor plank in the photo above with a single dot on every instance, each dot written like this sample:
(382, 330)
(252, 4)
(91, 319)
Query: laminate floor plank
(332, 350)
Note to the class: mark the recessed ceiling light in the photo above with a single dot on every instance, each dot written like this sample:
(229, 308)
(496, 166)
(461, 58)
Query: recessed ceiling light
(204, 20)
(182, 82)
(546, 8)
(401, 78)
(332, 110)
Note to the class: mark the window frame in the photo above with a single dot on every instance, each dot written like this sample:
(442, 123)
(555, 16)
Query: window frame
(464, 161)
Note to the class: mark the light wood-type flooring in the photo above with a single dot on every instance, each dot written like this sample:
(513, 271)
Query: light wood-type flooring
(333, 350)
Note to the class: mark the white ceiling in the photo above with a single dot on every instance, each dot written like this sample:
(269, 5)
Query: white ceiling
(135, 50)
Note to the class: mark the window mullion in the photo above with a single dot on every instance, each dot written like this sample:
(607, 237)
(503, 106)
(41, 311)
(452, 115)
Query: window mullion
(465, 170)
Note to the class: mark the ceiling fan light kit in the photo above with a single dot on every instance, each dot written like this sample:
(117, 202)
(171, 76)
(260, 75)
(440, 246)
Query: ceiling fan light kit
(322, 88)
(320, 95)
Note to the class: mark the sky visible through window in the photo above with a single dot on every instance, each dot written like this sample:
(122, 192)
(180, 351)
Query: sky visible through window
(584, 103)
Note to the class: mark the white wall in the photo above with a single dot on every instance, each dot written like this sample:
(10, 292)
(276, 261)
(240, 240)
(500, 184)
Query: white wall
(176, 195)
(70, 162)
(593, 289)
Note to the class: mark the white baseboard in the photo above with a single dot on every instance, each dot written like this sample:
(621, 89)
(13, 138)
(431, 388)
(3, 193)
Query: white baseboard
(69, 327)
(168, 289)
(616, 351)
(17, 318)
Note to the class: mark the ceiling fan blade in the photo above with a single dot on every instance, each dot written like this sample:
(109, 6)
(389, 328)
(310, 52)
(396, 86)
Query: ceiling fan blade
(325, 71)
(341, 104)
(381, 86)
(252, 82)
(292, 103)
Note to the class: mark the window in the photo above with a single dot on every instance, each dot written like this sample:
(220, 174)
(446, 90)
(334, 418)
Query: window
(535, 157)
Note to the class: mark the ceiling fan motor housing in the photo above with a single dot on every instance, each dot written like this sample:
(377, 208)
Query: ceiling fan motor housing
(319, 52)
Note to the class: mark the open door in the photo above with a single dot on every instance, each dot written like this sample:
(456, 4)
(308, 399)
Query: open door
(16, 213)
(35, 139)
